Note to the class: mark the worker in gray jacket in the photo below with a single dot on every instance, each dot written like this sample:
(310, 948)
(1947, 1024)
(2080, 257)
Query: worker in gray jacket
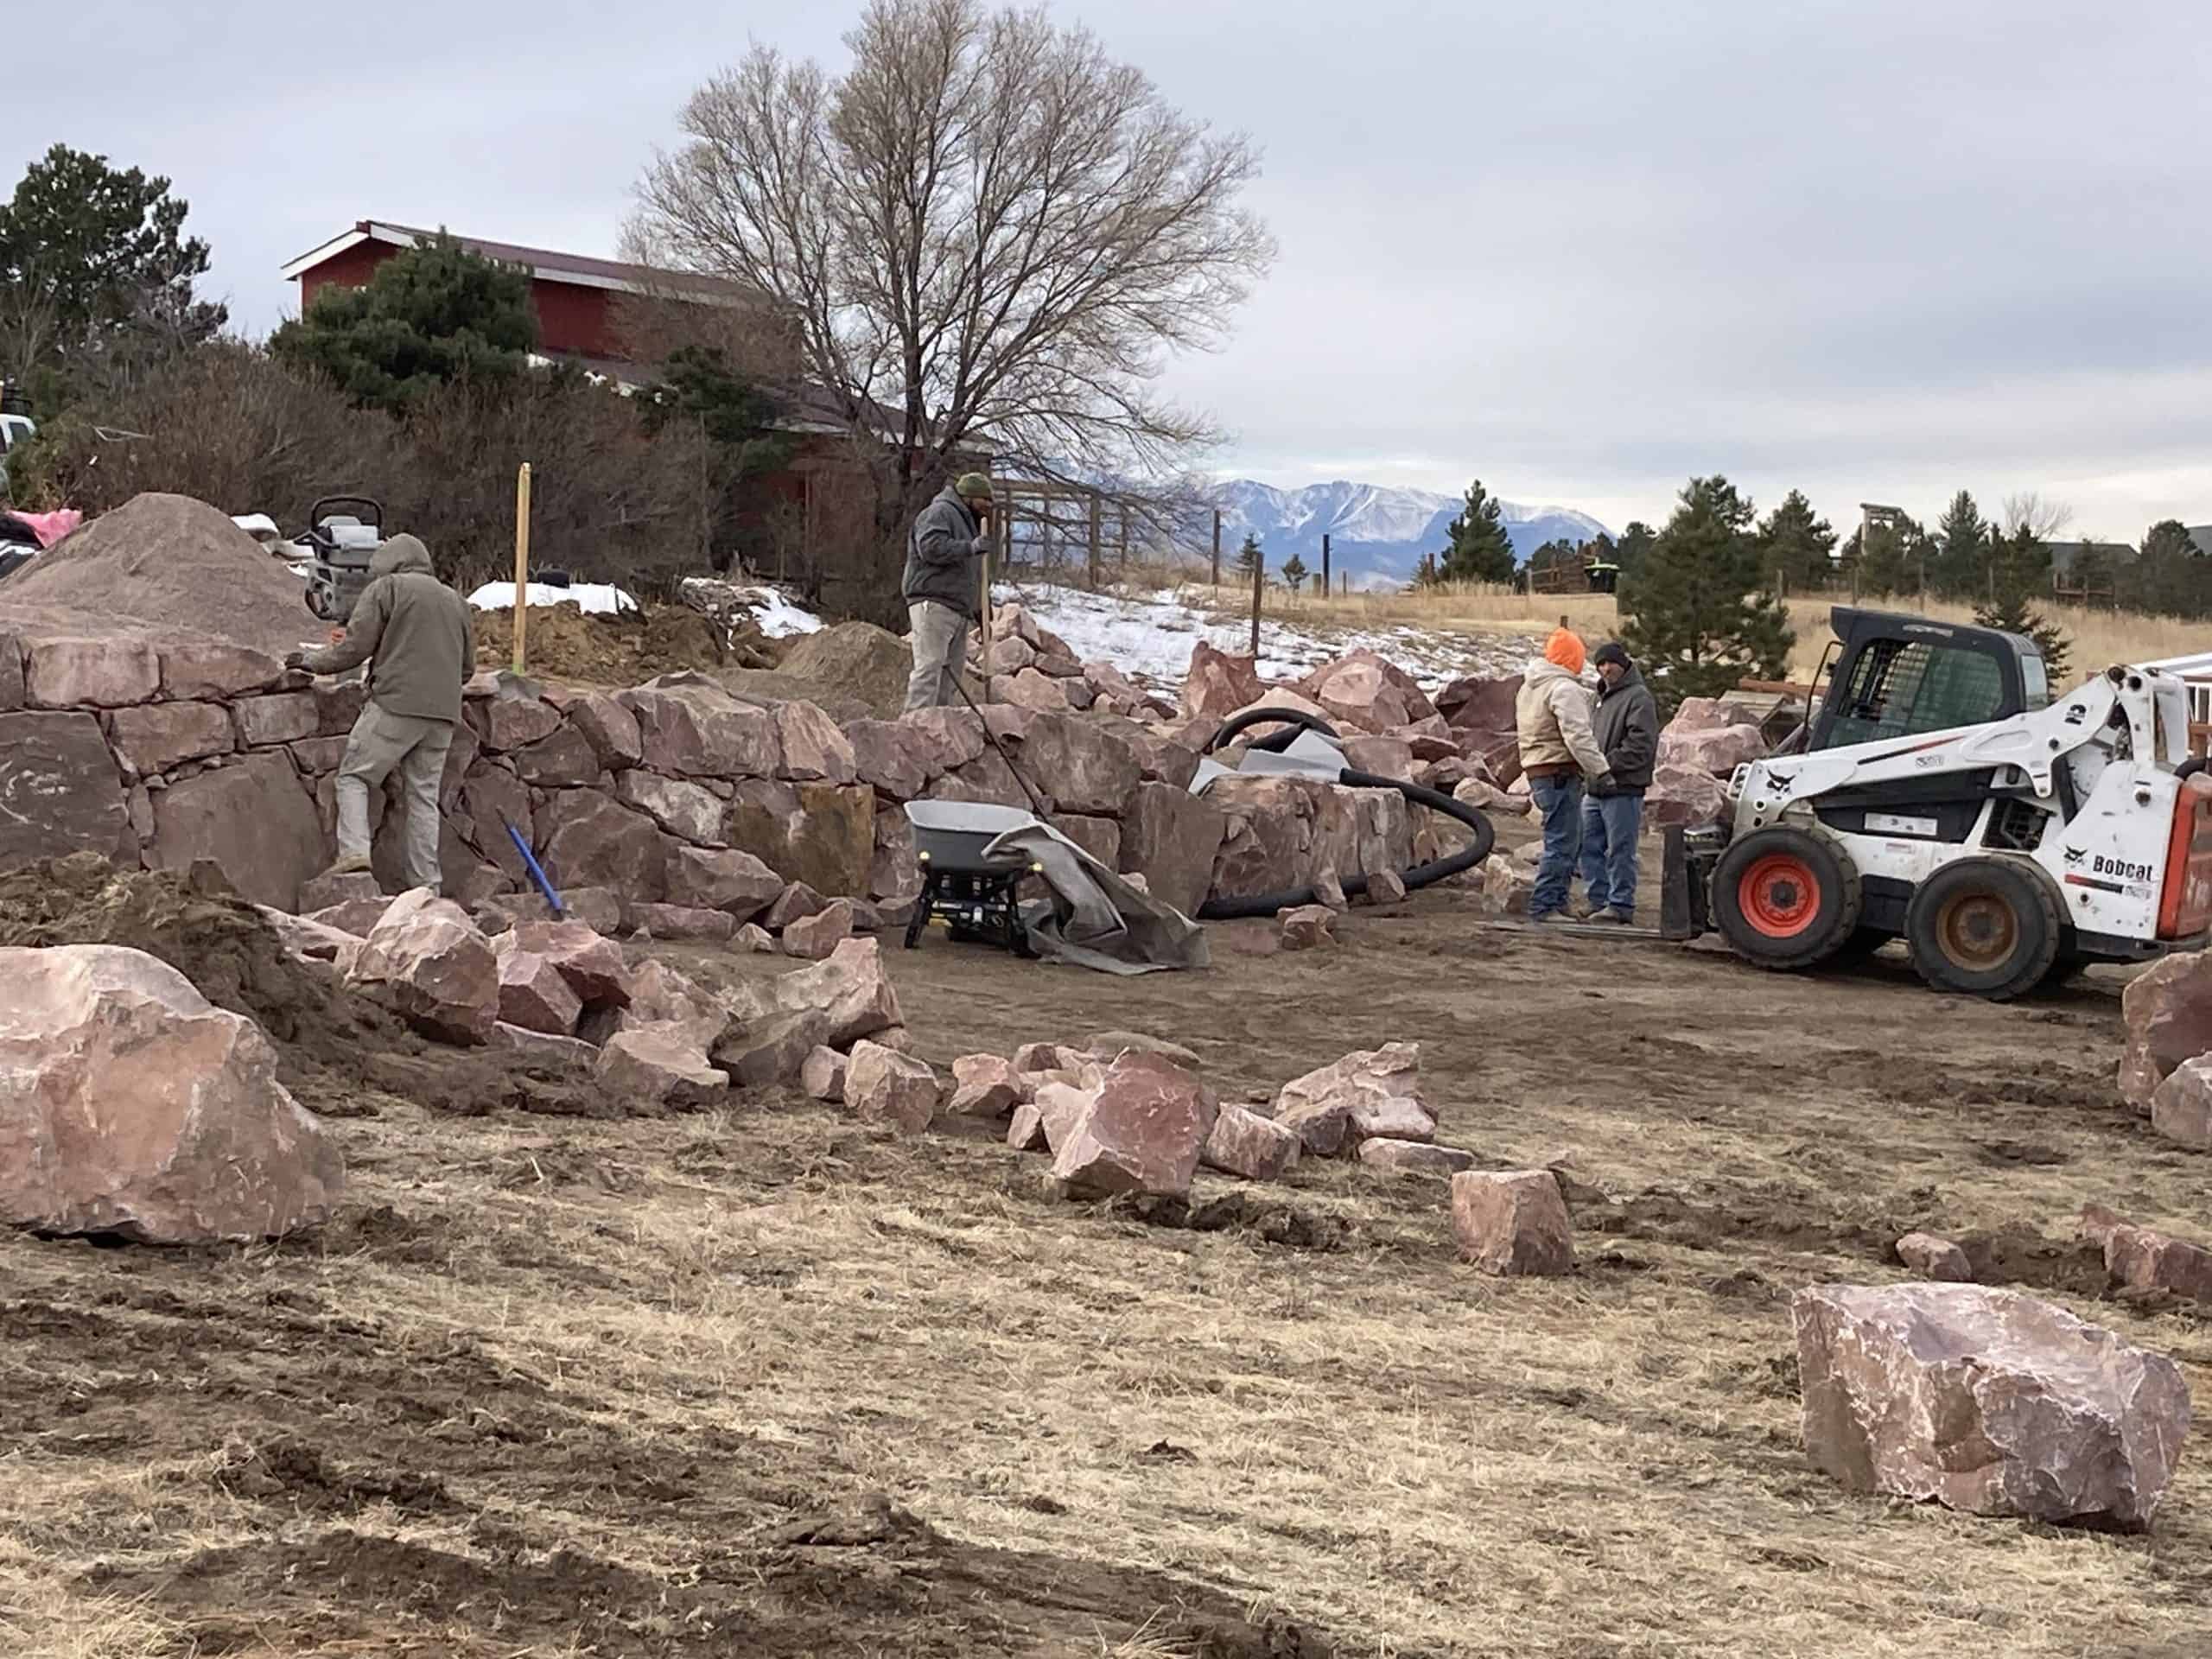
(948, 536)
(1626, 727)
(419, 632)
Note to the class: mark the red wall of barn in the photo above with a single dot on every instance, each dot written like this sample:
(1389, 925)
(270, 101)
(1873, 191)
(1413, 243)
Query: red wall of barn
(571, 319)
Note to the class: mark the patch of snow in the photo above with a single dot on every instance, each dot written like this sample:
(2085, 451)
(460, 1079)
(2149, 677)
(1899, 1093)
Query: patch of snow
(771, 608)
(1149, 636)
(594, 597)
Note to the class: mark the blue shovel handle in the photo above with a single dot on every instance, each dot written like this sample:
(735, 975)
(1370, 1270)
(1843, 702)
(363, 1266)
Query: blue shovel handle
(530, 863)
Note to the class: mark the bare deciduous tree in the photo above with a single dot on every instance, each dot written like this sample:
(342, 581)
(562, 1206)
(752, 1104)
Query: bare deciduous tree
(2044, 520)
(991, 234)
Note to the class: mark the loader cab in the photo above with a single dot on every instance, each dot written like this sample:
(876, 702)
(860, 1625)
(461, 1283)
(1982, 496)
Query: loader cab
(1888, 676)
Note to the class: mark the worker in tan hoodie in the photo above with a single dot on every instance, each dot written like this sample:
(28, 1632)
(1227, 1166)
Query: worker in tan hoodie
(1558, 751)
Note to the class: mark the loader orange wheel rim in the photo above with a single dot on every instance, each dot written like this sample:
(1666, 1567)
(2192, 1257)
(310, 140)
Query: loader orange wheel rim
(1978, 930)
(1779, 895)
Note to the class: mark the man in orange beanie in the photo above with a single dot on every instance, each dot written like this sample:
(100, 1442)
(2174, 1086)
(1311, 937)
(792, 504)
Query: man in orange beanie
(1558, 750)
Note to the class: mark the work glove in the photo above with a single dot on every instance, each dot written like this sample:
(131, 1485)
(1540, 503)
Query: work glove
(296, 660)
(1603, 784)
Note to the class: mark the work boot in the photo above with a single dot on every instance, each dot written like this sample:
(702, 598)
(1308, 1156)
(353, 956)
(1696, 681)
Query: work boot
(1551, 917)
(1613, 916)
(349, 864)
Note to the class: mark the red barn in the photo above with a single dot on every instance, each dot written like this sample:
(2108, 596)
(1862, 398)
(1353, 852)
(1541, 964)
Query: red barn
(575, 297)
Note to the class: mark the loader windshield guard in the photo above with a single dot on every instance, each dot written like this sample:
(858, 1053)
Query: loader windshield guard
(1902, 676)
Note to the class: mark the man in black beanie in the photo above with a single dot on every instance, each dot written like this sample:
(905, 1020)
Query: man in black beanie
(1626, 726)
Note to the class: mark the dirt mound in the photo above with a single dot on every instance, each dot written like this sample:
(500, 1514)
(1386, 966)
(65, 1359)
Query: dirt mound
(170, 563)
(853, 662)
(339, 1052)
(567, 644)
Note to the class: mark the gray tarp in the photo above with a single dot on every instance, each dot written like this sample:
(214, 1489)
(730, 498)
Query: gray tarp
(1096, 920)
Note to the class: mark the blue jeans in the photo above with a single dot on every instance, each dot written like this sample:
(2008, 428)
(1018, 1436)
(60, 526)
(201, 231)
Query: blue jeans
(1610, 826)
(1560, 800)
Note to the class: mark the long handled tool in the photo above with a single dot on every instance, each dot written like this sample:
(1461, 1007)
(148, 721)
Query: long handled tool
(530, 863)
(991, 737)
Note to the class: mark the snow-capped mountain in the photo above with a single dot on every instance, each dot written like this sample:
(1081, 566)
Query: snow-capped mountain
(1374, 533)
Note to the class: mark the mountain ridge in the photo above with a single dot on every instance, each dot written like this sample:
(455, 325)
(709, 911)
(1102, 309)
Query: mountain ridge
(1377, 533)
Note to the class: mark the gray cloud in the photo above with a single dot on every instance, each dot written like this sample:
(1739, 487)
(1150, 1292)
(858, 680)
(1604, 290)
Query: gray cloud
(1877, 249)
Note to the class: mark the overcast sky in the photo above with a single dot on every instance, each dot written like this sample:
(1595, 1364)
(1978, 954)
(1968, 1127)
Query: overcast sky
(1874, 249)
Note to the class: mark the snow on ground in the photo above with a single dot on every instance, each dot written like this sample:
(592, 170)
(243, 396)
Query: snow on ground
(1151, 634)
(596, 598)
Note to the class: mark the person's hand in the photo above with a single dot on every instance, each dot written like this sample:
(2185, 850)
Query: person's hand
(296, 660)
(1602, 783)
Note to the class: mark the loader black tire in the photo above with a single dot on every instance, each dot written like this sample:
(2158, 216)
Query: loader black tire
(1786, 898)
(1986, 927)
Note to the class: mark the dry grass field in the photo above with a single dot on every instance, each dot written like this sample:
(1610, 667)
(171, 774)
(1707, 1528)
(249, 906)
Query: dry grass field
(2099, 637)
(765, 1382)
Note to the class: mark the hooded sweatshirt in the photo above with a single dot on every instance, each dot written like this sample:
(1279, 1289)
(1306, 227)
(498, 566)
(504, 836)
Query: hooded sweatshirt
(1553, 715)
(417, 629)
(1626, 727)
(941, 554)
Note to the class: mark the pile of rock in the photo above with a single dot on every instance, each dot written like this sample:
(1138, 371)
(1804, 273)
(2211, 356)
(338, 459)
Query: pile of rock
(1704, 743)
(1025, 664)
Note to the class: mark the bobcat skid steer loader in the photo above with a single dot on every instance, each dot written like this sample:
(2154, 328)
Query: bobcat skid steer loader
(2006, 853)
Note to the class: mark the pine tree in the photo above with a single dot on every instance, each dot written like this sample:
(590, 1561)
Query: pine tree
(1294, 573)
(1890, 560)
(2019, 572)
(1797, 546)
(1480, 550)
(1634, 547)
(1248, 556)
(2169, 576)
(1699, 616)
(432, 315)
(1963, 544)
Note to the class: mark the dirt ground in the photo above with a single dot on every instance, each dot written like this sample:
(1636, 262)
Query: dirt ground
(764, 1382)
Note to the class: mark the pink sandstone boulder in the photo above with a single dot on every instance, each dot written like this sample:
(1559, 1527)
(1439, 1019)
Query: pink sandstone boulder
(104, 673)
(814, 750)
(812, 939)
(1079, 764)
(983, 1086)
(532, 994)
(1242, 1142)
(611, 729)
(592, 841)
(660, 1065)
(1385, 887)
(2168, 1009)
(1217, 683)
(591, 963)
(428, 960)
(2141, 1258)
(1932, 1257)
(511, 720)
(1986, 1401)
(157, 736)
(688, 728)
(949, 737)
(203, 666)
(1143, 1130)
(882, 1086)
(1413, 1157)
(1367, 692)
(1307, 926)
(721, 879)
(134, 1108)
(794, 902)
(754, 940)
(1368, 1094)
(2181, 1107)
(690, 811)
(1513, 1223)
(892, 757)
(1172, 837)
(685, 922)
(1716, 751)
(1684, 794)
(822, 1074)
(851, 992)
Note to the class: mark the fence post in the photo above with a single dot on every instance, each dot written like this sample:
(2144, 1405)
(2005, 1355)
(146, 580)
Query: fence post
(522, 560)
(1097, 526)
(1217, 547)
(1259, 576)
(1325, 564)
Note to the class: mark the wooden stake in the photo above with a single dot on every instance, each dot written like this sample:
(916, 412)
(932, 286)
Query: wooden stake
(522, 560)
(1259, 575)
(1217, 547)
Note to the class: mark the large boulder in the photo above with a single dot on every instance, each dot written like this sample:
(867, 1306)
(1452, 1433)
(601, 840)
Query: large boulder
(611, 729)
(813, 749)
(660, 1065)
(1143, 1130)
(587, 840)
(690, 811)
(821, 834)
(850, 991)
(532, 994)
(1513, 1222)
(692, 728)
(156, 736)
(2142, 1259)
(1172, 837)
(1242, 1142)
(949, 737)
(1217, 683)
(1080, 764)
(892, 757)
(107, 672)
(2168, 1009)
(253, 819)
(721, 879)
(428, 960)
(883, 1086)
(1267, 836)
(1684, 794)
(512, 718)
(1367, 692)
(563, 760)
(1368, 1094)
(1479, 704)
(59, 792)
(591, 963)
(1715, 750)
(134, 1108)
(1986, 1401)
